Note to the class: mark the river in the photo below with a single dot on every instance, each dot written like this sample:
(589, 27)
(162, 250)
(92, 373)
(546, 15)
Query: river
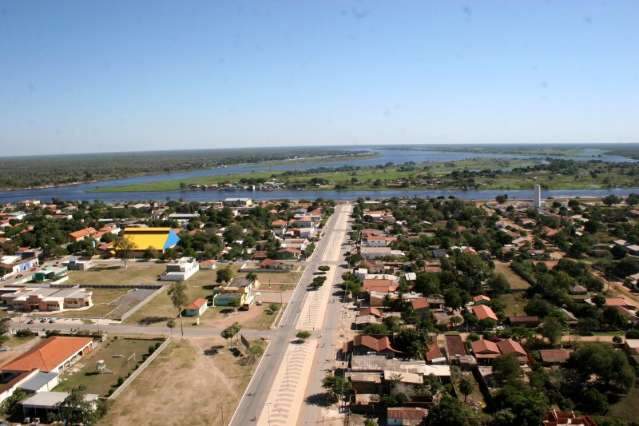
(83, 192)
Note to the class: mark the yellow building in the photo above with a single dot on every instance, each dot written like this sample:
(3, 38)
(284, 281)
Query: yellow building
(159, 239)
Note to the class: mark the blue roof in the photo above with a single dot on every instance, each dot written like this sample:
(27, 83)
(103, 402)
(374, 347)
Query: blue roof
(171, 240)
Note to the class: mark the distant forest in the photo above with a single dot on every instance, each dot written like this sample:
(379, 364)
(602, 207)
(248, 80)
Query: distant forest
(36, 171)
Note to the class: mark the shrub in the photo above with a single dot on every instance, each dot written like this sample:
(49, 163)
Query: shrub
(303, 335)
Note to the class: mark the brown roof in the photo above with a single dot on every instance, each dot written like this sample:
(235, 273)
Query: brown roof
(370, 311)
(554, 356)
(524, 319)
(412, 414)
(377, 344)
(455, 345)
(48, 355)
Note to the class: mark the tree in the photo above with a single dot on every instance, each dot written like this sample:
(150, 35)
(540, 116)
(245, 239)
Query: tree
(123, 247)
(521, 404)
(251, 276)
(551, 329)
(465, 387)
(611, 199)
(451, 412)
(506, 369)
(177, 293)
(224, 275)
(303, 335)
(75, 410)
(11, 406)
(338, 387)
(231, 331)
(601, 366)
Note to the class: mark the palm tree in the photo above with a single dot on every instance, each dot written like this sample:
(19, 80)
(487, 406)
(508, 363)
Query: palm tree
(178, 297)
(123, 247)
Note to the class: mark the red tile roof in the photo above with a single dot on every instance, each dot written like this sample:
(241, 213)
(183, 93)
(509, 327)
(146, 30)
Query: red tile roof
(49, 354)
(508, 346)
(377, 344)
(554, 356)
(485, 347)
(419, 303)
(81, 233)
(197, 303)
(484, 312)
(432, 352)
(383, 286)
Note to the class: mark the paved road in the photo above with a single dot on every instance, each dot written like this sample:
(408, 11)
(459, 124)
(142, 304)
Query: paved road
(331, 336)
(252, 402)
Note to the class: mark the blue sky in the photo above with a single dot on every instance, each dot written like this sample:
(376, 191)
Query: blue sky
(78, 76)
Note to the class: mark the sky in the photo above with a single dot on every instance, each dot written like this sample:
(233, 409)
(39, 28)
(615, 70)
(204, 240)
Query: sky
(85, 76)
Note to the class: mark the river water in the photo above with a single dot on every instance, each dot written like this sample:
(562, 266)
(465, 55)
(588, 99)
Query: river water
(83, 192)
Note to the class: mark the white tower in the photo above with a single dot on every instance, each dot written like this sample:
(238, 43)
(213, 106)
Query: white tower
(537, 198)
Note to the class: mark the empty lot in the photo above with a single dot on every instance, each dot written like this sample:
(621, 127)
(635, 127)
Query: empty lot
(183, 386)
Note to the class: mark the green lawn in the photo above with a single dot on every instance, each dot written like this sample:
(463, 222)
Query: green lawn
(121, 356)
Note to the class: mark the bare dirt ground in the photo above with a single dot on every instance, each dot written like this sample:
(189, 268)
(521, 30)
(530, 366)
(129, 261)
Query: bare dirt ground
(183, 386)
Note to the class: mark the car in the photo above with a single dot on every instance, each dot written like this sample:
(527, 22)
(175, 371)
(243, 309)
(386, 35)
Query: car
(43, 320)
(51, 321)
(30, 322)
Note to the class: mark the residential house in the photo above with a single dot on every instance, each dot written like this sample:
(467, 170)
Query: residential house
(483, 312)
(196, 308)
(240, 292)
(364, 344)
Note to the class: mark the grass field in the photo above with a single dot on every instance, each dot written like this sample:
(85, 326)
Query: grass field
(365, 176)
(516, 282)
(117, 355)
(182, 383)
(627, 408)
(160, 308)
(102, 304)
(134, 273)
(421, 176)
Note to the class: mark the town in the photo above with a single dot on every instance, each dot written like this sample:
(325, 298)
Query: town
(378, 311)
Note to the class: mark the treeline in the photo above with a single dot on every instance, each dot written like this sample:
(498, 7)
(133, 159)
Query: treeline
(25, 172)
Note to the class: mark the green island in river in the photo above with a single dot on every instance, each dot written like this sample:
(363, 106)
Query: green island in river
(464, 174)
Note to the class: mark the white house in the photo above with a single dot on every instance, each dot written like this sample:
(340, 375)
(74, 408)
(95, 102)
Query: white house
(181, 270)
